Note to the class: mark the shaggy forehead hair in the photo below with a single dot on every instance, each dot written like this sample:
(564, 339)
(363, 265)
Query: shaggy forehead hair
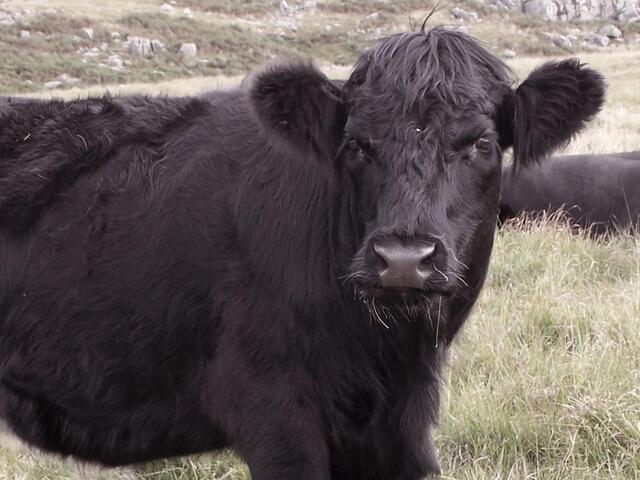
(438, 64)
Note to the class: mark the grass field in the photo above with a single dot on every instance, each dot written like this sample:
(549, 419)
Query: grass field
(544, 382)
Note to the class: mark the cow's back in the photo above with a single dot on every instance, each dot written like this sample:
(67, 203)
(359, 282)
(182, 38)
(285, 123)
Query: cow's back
(596, 191)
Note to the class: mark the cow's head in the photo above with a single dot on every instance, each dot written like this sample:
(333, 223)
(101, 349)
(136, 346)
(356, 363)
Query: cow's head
(418, 132)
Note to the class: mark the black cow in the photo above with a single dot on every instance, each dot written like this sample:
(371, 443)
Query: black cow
(279, 268)
(599, 193)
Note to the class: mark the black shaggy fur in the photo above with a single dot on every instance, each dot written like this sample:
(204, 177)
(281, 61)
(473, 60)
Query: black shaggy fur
(46, 145)
(178, 275)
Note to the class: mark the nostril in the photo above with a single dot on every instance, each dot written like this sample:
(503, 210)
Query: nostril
(382, 258)
(427, 250)
(425, 253)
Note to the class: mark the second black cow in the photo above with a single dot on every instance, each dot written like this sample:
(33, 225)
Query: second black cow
(598, 193)
(279, 268)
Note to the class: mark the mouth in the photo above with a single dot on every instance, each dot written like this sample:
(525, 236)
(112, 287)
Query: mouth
(368, 284)
(391, 293)
(413, 302)
(368, 288)
(392, 306)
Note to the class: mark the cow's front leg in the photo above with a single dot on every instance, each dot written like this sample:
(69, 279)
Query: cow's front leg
(419, 460)
(415, 455)
(274, 428)
(276, 455)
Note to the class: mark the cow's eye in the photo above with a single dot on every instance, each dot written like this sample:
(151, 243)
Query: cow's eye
(483, 145)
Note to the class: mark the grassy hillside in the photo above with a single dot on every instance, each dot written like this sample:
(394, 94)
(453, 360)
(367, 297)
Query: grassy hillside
(235, 36)
(544, 382)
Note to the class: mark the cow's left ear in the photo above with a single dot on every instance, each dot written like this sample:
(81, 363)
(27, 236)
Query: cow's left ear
(553, 104)
(295, 101)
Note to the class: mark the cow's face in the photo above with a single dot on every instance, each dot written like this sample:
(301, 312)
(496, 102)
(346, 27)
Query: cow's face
(427, 184)
(419, 130)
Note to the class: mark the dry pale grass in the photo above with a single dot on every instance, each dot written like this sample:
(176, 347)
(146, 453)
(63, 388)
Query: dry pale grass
(545, 380)
(99, 10)
(182, 86)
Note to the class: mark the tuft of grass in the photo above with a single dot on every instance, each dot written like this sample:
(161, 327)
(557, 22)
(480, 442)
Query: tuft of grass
(222, 466)
(236, 7)
(370, 6)
(545, 381)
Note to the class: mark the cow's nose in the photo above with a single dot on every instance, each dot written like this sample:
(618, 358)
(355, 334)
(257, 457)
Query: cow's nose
(403, 263)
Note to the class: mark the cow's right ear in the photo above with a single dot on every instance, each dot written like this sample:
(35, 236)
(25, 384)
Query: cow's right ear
(296, 102)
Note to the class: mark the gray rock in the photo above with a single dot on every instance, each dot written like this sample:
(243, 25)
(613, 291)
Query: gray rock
(461, 14)
(457, 28)
(188, 51)
(628, 12)
(308, 6)
(610, 31)
(92, 53)
(166, 8)
(541, 8)
(287, 23)
(88, 32)
(115, 62)
(562, 42)
(507, 4)
(504, 7)
(589, 47)
(7, 18)
(297, 6)
(157, 45)
(66, 79)
(508, 54)
(599, 40)
(115, 35)
(559, 41)
(370, 20)
(25, 34)
(139, 46)
(52, 84)
(620, 10)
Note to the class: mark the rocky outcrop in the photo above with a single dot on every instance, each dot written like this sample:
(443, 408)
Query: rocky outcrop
(620, 10)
